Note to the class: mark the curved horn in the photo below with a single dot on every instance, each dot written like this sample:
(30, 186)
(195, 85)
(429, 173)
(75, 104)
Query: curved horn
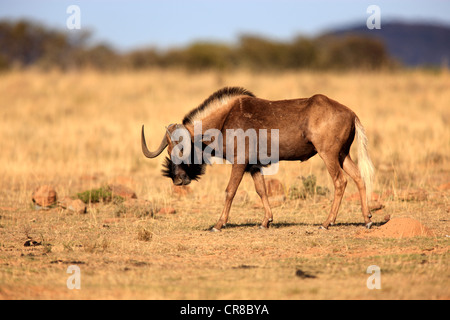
(148, 153)
(168, 133)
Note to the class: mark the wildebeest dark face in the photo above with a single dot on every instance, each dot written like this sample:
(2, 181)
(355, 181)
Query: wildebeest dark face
(186, 171)
(182, 174)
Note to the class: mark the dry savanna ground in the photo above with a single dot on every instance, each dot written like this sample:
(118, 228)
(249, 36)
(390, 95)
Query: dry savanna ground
(81, 131)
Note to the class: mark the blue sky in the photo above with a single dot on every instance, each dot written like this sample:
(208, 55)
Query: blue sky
(137, 23)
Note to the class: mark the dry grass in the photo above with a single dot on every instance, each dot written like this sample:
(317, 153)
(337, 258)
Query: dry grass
(77, 131)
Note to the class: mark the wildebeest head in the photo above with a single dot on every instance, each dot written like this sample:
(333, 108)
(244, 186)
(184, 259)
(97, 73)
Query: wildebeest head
(179, 166)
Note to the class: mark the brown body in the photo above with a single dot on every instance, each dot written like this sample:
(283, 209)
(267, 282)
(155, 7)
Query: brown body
(302, 123)
(306, 127)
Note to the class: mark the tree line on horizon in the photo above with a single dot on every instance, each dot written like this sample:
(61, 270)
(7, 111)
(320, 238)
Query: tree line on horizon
(25, 44)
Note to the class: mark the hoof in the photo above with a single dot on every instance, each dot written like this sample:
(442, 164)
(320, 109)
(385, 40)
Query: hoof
(369, 215)
(214, 230)
(268, 224)
(369, 225)
(322, 228)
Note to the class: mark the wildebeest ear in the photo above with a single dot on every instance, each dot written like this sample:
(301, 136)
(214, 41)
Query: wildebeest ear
(189, 129)
(169, 168)
(168, 132)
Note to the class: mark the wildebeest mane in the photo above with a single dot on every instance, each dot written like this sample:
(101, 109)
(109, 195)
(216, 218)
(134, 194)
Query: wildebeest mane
(220, 97)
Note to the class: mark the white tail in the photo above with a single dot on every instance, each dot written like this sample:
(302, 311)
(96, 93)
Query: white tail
(364, 163)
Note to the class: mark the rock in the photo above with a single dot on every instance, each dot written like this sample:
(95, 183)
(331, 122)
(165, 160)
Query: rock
(355, 197)
(90, 177)
(208, 198)
(301, 274)
(123, 180)
(44, 196)
(31, 243)
(122, 191)
(274, 201)
(444, 187)
(181, 190)
(274, 187)
(133, 202)
(399, 228)
(374, 197)
(91, 180)
(167, 210)
(375, 205)
(8, 209)
(412, 195)
(75, 205)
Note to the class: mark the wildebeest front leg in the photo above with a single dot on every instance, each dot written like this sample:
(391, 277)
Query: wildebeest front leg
(237, 172)
(260, 187)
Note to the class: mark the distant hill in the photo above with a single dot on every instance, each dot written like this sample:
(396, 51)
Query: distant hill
(413, 44)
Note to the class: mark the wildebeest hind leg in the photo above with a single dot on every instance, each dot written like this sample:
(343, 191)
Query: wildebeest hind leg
(352, 170)
(340, 182)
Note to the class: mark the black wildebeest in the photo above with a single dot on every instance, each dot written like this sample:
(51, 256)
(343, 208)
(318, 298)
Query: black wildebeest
(305, 127)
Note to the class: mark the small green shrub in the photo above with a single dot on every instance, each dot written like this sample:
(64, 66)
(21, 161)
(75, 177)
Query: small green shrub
(102, 194)
(308, 188)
